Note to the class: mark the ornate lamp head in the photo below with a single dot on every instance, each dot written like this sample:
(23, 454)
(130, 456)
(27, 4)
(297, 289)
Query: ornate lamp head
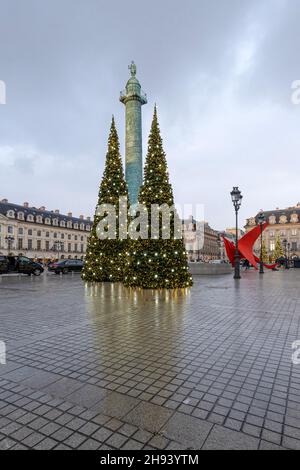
(261, 218)
(236, 197)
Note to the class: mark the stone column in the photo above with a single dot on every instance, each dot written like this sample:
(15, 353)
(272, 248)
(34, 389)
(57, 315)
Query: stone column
(133, 99)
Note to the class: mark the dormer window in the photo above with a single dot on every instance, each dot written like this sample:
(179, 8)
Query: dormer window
(81, 226)
(283, 219)
(39, 219)
(47, 221)
(62, 223)
(11, 214)
(88, 228)
(55, 222)
(30, 218)
(21, 215)
(294, 218)
(76, 225)
(69, 224)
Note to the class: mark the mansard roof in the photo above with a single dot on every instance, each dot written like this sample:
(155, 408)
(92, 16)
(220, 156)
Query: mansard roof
(9, 206)
(277, 213)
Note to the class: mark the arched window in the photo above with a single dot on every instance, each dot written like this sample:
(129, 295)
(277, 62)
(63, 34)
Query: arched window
(21, 215)
(30, 218)
(283, 219)
(294, 218)
(47, 221)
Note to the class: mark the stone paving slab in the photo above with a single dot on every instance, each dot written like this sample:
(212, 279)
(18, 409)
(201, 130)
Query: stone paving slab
(226, 439)
(62, 387)
(103, 367)
(187, 430)
(87, 395)
(148, 416)
(115, 404)
(40, 379)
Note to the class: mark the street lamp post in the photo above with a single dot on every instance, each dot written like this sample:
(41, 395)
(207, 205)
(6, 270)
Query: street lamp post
(288, 255)
(236, 197)
(57, 247)
(10, 239)
(199, 240)
(261, 219)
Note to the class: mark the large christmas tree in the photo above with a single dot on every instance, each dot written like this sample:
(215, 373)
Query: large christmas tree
(105, 257)
(157, 262)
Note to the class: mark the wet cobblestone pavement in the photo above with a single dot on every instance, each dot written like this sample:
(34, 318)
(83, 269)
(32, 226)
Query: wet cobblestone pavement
(103, 367)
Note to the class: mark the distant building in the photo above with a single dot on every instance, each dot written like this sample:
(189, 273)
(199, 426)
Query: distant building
(41, 234)
(231, 231)
(201, 241)
(284, 225)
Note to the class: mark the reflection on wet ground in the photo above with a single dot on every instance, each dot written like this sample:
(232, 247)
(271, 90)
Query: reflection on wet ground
(215, 359)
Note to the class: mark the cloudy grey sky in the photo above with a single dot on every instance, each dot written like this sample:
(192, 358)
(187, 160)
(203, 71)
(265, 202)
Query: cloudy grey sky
(220, 72)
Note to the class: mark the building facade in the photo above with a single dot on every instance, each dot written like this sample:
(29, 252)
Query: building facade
(40, 234)
(284, 224)
(201, 241)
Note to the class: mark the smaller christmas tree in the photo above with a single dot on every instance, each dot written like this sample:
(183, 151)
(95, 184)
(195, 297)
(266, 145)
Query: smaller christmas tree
(278, 252)
(105, 254)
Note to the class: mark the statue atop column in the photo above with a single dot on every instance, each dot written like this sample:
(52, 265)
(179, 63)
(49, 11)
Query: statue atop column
(132, 68)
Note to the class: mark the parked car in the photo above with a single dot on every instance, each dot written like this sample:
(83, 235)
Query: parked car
(66, 266)
(19, 264)
(296, 262)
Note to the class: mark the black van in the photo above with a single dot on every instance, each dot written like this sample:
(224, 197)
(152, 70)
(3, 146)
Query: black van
(19, 264)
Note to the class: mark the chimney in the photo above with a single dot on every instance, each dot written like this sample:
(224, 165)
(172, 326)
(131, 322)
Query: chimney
(56, 211)
(70, 214)
(81, 217)
(5, 201)
(26, 204)
(42, 208)
(88, 219)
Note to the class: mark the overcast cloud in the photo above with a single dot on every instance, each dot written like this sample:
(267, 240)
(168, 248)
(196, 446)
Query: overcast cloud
(220, 72)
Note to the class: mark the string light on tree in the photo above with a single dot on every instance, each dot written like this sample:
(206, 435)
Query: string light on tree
(112, 186)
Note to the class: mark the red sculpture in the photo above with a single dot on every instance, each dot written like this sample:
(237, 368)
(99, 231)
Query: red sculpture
(245, 247)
